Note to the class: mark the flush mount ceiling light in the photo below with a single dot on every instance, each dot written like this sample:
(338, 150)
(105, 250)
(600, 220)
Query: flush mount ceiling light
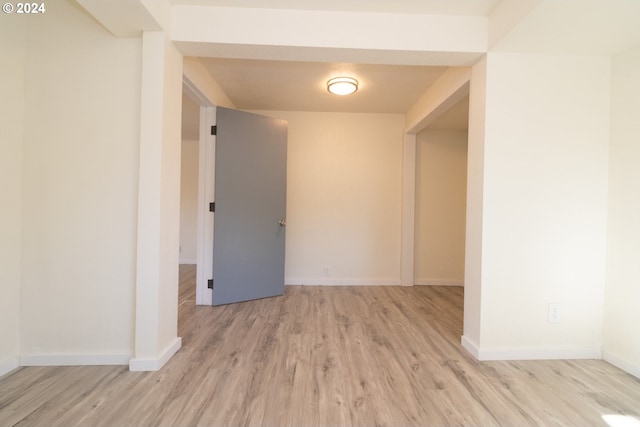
(342, 85)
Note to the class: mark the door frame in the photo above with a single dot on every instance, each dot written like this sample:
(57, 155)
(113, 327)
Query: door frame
(206, 191)
(449, 93)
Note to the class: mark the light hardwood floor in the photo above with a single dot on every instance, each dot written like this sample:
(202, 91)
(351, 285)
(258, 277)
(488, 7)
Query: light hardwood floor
(323, 356)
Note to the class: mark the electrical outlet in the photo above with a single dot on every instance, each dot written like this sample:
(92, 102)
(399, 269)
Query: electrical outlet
(326, 271)
(554, 313)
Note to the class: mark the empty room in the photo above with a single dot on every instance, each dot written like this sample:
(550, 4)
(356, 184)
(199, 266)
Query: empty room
(455, 242)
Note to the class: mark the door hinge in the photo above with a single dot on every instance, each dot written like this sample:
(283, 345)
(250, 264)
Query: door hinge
(210, 283)
(214, 130)
(212, 207)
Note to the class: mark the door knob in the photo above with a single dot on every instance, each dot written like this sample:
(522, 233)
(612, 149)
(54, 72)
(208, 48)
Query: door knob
(282, 223)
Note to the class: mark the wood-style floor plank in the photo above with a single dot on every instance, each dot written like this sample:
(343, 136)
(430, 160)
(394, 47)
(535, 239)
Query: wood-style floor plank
(322, 356)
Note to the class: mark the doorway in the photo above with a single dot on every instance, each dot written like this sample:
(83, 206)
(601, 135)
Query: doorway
(198, 151)
(440, 209)
(188, 202)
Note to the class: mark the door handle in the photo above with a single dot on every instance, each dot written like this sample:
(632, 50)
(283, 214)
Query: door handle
(282, 223)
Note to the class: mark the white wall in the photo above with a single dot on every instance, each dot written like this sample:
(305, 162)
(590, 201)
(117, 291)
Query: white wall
(12, 67)
(158, 231)
(343, 197)
(474, 216)
(79, 201)
(441, 184)
(189, 202)
(190, 118)
(170, 200)
(545, 205)
(621, 340)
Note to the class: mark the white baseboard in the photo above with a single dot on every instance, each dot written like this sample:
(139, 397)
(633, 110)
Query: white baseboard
(438, 282)
(137, 364)
(470, 346)
(73, 359)
(328, 281)
(9, 364)
(561, 353)
(187, 261)
(619, 362)
(552, 353)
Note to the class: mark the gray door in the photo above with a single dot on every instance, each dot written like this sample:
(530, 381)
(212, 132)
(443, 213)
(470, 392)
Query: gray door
(250, 207)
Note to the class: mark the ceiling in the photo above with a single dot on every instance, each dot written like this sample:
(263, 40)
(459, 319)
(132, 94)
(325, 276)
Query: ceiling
(576, 27)
(431, 7)
(301, 86)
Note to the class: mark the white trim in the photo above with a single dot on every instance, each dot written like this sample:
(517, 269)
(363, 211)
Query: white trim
(408, 209)
(470, 346)
(189, 261)
(137, 364)
(324, 281)
(9, 364)
(438, 282)
(551, 353)
(450, 88)
(73, 359)
(206, 176)
(619, 362)
(192, 90)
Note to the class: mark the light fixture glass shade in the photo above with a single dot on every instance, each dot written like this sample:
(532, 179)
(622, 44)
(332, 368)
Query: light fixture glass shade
(342, 85)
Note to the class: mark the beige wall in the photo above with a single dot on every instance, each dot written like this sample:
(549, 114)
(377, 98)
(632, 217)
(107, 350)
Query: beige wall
(80, 190)
(12, 66)
(621, 340)
(343, 197)
(441, 175)
(544, 205)
(189, 202)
